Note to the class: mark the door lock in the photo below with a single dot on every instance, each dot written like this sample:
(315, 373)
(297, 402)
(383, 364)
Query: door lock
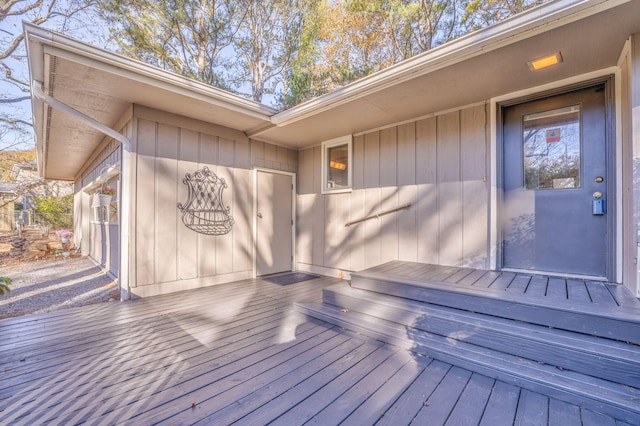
(598, 204)
(599, 179)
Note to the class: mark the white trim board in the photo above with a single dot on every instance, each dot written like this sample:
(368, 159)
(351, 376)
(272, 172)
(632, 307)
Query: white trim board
(255, 215)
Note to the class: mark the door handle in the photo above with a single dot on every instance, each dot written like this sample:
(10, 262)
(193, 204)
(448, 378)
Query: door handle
(260, 215)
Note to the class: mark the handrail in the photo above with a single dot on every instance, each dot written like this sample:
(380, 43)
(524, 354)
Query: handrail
(377, 216)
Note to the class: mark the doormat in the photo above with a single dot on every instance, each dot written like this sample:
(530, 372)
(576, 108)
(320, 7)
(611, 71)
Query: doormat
(292, 278)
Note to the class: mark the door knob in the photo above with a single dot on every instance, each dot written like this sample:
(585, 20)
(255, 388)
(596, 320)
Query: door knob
(260, 215)
(597, 195)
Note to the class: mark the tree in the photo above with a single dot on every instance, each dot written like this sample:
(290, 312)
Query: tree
(55, 212)
(183, 36)
(268, 37)
(66, 16)
(354, 38)
(480, 14)
(341, 42)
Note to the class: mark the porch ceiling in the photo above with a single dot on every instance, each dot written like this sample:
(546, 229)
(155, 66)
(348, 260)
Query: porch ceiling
(488, 63)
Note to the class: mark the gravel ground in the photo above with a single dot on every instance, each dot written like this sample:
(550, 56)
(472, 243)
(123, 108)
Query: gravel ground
(54, 283)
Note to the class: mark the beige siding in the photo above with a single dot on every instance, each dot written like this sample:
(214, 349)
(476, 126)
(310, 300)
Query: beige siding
(165, 254)
(630, 120)
(437, 164)
(98, 240)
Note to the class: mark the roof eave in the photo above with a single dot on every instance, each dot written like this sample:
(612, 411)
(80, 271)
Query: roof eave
(519, 27)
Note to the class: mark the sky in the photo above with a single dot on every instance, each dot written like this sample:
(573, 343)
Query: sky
(96, 34)
(10, 27)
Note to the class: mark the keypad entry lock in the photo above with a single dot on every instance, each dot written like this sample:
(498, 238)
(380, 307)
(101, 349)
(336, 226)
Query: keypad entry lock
(598, 203)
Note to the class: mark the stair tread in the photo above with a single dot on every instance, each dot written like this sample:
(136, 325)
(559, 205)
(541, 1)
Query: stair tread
(587, 343)
(626, 311)
(611, 321)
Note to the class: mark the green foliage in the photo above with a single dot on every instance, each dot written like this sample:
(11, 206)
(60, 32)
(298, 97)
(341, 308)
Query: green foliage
(4, 285)
(55, 212)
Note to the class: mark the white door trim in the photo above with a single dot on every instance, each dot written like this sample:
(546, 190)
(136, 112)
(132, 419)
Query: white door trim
(495, 187)
(255, 214)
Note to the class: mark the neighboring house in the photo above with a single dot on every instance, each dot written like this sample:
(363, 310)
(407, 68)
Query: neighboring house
(491, 163)
(7, 197)
(31, 185)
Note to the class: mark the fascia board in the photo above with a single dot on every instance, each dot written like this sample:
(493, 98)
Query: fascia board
(59, 45)
(517, 28)
(35, 65)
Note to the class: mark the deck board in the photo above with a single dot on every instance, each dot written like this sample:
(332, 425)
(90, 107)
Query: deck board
(519, 284)
(334, 388)
(438, 406)
(577, 291)
(373, 409)
(538, 287)
(286, 405)
(342, 407)
(556, 288)
(533, 409)
(563, 414)
(600, 295)
(502, 405)
(472, 402)
(407, 406)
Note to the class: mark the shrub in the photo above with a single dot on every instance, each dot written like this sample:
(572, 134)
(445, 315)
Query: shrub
(4, 285)
(55, 212)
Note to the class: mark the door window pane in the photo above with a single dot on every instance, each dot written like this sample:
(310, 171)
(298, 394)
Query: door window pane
(551, 148)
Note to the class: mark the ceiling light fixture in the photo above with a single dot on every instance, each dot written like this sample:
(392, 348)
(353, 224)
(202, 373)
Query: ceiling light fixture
(544, 62)
(337, 165)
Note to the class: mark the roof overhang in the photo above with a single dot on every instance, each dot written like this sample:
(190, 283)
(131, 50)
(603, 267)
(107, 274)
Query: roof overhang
(103, 86)
(488, 63)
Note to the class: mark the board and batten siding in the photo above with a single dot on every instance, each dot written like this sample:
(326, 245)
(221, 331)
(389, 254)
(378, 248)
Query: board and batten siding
(167, 256)
(98, 240)
(438, 164)
(630, 132)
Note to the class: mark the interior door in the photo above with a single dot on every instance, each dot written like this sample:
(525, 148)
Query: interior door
(274, 223)
(555, 214)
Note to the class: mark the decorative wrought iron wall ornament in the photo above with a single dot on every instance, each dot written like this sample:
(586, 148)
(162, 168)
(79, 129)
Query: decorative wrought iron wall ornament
(204, 211)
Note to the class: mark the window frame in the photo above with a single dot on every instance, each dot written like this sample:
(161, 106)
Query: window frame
(326, 145)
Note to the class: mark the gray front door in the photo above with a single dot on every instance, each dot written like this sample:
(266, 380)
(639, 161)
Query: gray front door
(554, 167)
(274, 231)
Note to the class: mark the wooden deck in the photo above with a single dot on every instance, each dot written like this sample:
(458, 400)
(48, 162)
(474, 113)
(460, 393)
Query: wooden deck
(239, 353)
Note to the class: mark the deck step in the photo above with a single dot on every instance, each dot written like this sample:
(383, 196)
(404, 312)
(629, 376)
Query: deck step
(613, 399)
(603, 358)
(619, 322)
